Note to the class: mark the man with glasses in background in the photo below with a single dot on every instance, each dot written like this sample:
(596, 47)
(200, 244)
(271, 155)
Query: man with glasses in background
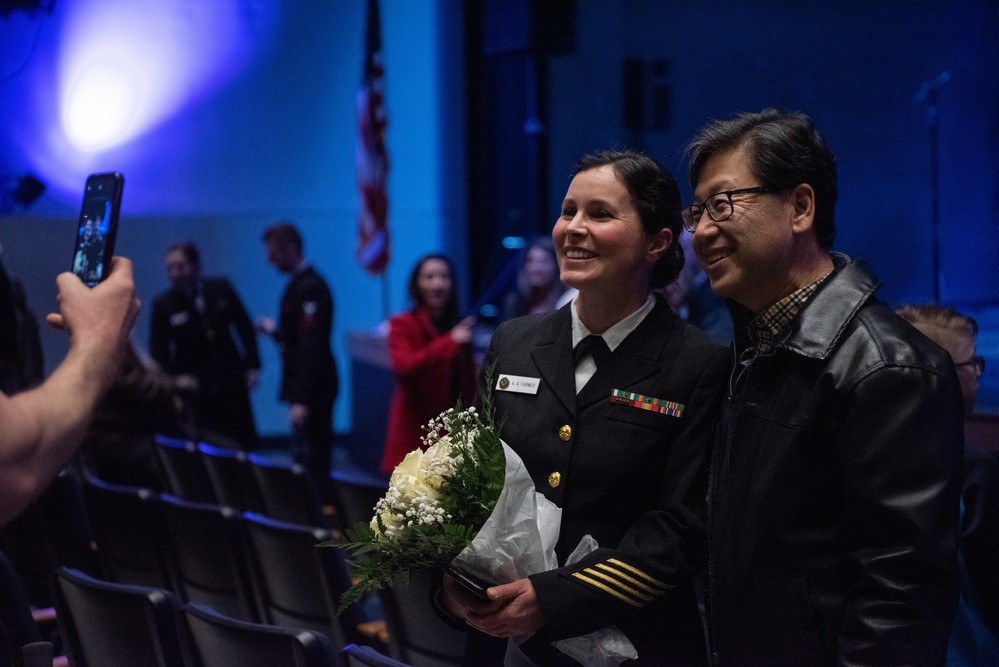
(974, 639)
(833, 503)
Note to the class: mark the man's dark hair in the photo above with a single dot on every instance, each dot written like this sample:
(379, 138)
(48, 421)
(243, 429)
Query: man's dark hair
(283, 234)
(655, 196)
(189, 249)
(785, 150)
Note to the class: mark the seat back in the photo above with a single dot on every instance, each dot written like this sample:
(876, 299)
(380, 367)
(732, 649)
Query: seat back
(115, 625)
(205, 548)
(417, 635)
(52, 531)
(17, 627)
(184, 470)
(356, 494)
(128, 532)
(229, 473)
(365, 656)
(288, 493)
(212, 640)
(298, 583)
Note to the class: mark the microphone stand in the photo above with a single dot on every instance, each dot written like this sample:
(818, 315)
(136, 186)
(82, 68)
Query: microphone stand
(933, 119)
(928, 93)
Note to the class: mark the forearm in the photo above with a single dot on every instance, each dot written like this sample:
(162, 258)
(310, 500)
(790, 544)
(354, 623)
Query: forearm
(43, 427)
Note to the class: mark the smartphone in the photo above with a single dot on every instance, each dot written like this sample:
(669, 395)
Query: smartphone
(469, 582)
(98, 227)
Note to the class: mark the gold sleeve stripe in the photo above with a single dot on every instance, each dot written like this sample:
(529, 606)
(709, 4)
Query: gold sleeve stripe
(632, 580)
(618, 585)
(639, 573)
(606, 589)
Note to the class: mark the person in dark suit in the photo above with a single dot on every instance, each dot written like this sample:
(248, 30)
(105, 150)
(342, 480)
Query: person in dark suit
(620, 438)
(309, 380)
(192, 338)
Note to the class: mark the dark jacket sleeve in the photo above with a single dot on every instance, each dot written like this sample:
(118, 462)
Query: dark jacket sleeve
(900, 507)
(313, 322)
(159, 335)
(980, 531)
(244, 329)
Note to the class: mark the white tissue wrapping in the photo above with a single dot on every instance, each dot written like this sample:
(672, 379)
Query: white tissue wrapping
(517, 540)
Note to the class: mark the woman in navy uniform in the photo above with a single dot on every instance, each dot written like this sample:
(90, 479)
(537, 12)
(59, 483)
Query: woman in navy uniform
(612, 402)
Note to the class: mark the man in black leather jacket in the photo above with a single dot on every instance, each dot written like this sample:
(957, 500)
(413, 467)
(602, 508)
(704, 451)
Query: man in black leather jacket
(833, 500)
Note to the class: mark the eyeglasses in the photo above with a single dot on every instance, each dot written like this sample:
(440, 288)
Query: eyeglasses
(977, 364)
(719, 206)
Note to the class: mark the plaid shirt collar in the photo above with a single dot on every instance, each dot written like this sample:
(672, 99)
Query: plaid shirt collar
(764, 328)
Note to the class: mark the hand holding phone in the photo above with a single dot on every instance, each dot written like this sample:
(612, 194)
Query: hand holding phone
(469, 582)
(98, 227)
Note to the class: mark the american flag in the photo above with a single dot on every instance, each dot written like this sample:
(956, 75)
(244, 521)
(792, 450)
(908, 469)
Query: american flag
(370, 155)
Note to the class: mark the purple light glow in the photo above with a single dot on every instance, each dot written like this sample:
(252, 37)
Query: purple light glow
(106, 72)
(125, 66)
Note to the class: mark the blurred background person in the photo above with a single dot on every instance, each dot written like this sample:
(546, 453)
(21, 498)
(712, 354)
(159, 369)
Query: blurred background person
(974, 639)
(538, 289)
(691, 298)
(309, 380)
(120, 443)
(431, 355)
(21, 363)
(193, 335)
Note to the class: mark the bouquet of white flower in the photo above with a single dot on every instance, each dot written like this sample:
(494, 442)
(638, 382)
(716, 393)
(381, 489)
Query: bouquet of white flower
(437, 501)
(467, 504)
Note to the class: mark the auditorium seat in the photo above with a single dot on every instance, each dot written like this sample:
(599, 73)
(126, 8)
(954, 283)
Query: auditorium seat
(356, 494)
(183, 470)
(106, 624)
(365, 656)
(128, 533)
(210, 639)
(298, 583)
(287, 493)
(417, 635)
(229, 473)
(206, 549)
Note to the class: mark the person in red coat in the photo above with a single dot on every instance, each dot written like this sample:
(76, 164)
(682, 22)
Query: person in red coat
(431, 355)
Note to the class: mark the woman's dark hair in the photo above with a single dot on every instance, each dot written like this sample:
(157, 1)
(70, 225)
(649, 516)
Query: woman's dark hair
(655, 196)
(449, 315)
(785, 150)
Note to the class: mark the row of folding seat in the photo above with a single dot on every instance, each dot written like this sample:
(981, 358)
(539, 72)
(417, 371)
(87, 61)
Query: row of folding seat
(254, 482)
(117, 625)
(244, 565)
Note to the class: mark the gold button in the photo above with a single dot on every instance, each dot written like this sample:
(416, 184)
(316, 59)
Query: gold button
(554, 480)
(565, 433)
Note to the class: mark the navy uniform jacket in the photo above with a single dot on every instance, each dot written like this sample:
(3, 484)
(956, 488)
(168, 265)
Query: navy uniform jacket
(183, 340)
(309, 371)
(634, 479)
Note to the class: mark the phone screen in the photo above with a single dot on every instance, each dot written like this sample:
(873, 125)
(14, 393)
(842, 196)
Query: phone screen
(98, 227)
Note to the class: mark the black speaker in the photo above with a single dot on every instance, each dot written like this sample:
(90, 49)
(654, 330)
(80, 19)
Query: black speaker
(28, 190)
(520, 26)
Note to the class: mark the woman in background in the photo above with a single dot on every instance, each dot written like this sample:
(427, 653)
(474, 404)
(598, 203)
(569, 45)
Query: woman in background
(431, 355)
(538, 288)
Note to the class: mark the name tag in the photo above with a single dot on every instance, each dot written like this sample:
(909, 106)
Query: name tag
(518, 384)
(179, 319)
